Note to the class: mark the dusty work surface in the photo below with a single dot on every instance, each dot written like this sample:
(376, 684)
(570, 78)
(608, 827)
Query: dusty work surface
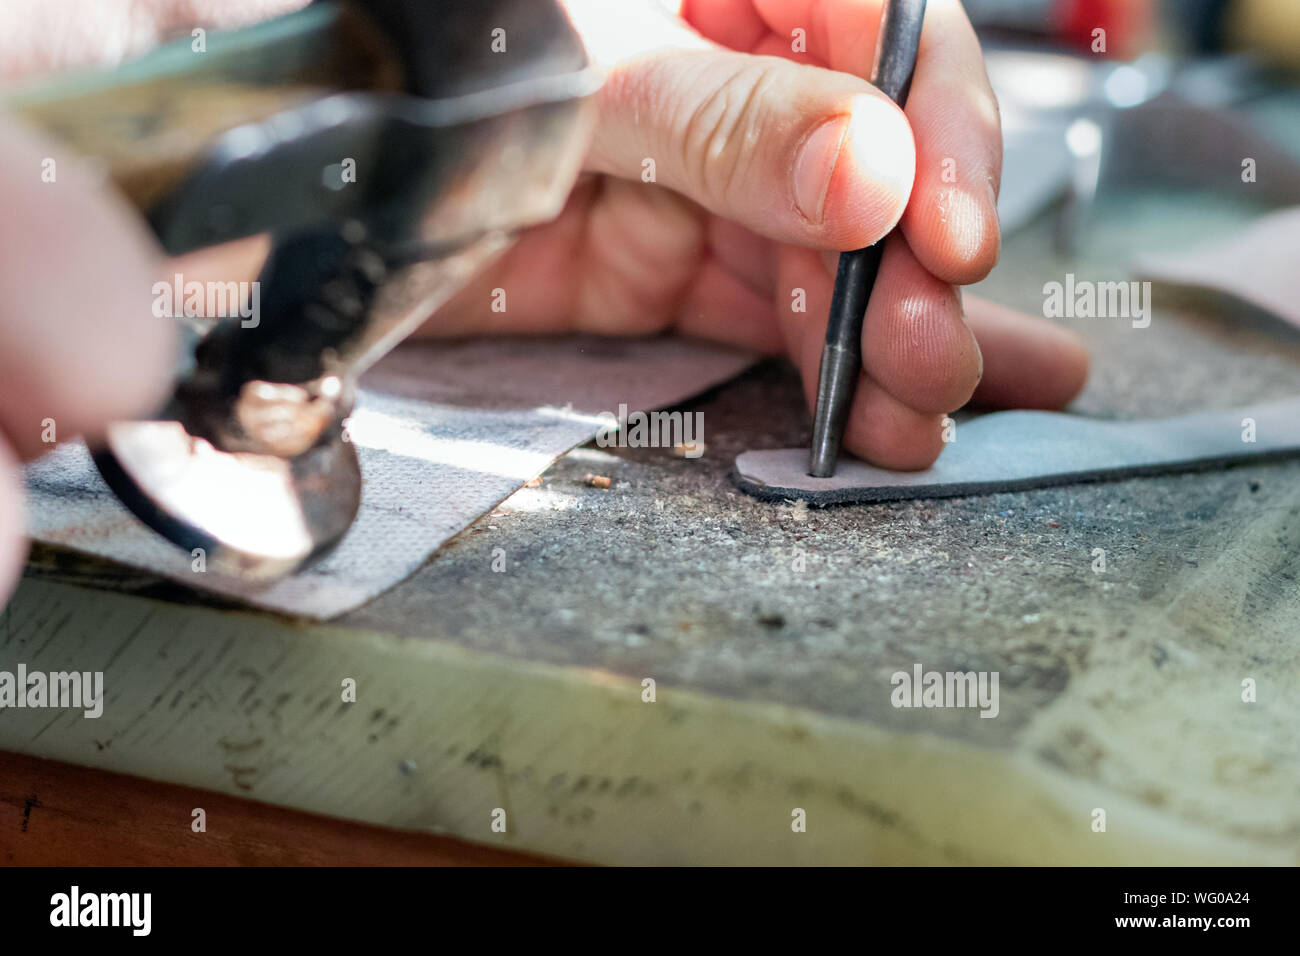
(1120, 689)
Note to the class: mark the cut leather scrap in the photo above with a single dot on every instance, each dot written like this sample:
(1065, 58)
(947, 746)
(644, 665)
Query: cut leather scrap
(445, 431)
(1257, 265)
(1018, 450)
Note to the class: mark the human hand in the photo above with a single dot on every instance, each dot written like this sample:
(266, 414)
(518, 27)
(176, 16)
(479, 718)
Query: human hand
(763, 160)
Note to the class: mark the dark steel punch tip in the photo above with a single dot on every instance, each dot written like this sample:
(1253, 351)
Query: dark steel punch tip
(899, 40)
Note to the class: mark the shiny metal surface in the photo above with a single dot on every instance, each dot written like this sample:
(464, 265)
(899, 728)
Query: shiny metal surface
(249, 460)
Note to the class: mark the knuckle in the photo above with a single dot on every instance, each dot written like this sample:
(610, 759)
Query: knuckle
(721, 134)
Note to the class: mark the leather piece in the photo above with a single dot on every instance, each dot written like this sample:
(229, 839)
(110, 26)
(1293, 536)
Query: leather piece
(1017, 450)
(1257, 265)
(445, 431)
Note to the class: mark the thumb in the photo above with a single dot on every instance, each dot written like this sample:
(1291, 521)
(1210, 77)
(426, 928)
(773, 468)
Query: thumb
(794, 152)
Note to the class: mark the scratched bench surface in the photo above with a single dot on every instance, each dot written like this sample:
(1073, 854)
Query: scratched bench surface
(523, 688)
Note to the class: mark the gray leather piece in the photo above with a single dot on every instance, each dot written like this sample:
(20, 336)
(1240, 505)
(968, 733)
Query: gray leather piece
(1257, 265)
(1009, 451)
